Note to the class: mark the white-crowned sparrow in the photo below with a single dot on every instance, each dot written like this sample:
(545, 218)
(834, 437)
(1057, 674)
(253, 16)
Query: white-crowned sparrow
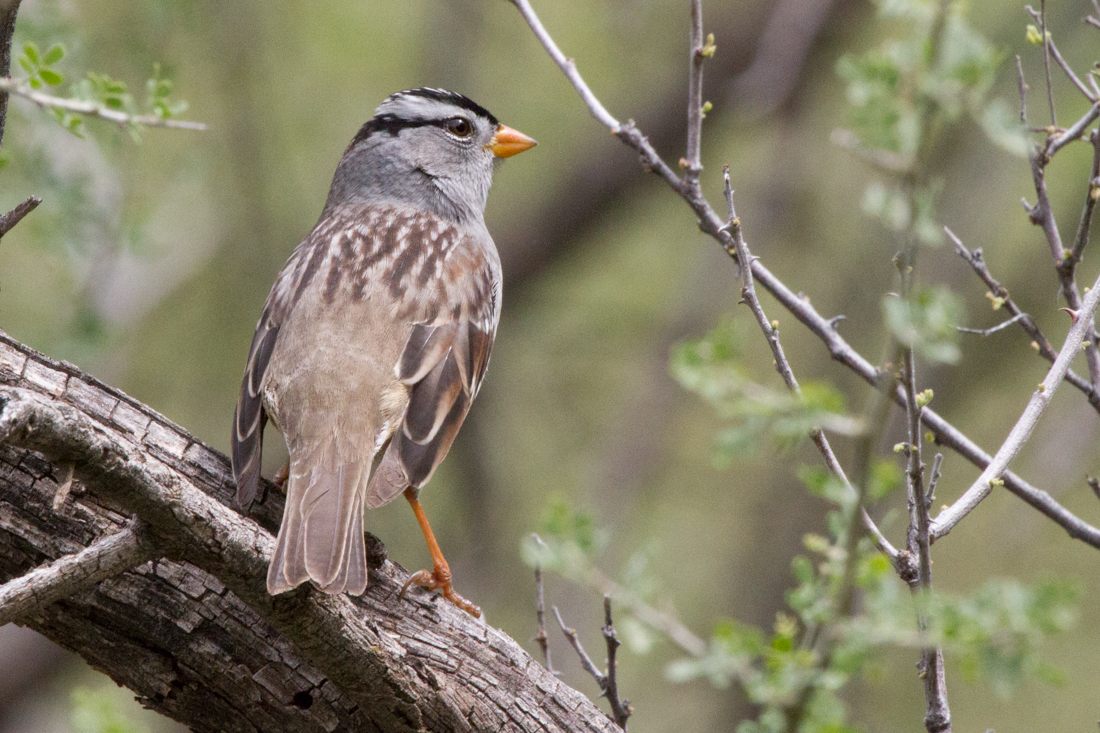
(376, 335)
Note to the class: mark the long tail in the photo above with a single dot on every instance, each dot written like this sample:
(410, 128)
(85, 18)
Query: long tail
(321, 537)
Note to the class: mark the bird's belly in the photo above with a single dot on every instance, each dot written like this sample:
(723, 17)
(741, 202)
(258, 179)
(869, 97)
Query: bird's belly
(331, 384)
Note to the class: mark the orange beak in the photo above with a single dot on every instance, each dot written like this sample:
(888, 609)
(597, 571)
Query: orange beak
(507, 142)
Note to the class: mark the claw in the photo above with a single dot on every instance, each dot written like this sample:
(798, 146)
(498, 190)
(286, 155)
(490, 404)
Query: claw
(440, 579)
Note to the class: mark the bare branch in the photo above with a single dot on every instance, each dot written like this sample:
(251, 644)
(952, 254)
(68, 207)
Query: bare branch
(105, 558)
(1082, 239)
(1074, 132)
(692, 163)
(8, 11)
(993, 329)
(1021, 431)
(937, 718)
(620, 709)
(934, 479)
(976, 260)
(92, 109)
(575, 642)
(1042, 18)
(1052, 50)
(1022, 85)
(540, 615)
(13, 217)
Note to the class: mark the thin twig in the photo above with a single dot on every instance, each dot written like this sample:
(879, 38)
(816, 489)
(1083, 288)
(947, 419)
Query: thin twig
(933, 479)
(976, 260)
(1052, 50)
(620, 709)
(575, 642)
(93, 109)
(1022, 85)
(540, 614)
(1021, 431)
(692, 162)
(105, 558)
(993, 329)
(1082, 239)
(13, 217)
(783, 366)
(1046, 56)
(1076, 131)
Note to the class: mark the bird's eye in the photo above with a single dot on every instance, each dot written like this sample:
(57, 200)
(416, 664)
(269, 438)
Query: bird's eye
(459, 127)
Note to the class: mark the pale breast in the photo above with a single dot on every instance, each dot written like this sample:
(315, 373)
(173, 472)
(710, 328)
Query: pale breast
(354, 290)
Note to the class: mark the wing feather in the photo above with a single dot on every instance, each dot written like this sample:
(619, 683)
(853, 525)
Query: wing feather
(449, 360)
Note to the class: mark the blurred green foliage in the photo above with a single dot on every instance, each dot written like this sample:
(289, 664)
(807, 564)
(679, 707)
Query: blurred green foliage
(928, 322)
(711, 368)
(96, 712)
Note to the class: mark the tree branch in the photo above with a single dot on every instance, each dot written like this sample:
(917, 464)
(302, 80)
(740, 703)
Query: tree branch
(92, 109)
(692, 164)
(1020, 432)
(105, 558)
(13, 217)
(710, 223)
(976, 260)
(8, 10)
(299, 661)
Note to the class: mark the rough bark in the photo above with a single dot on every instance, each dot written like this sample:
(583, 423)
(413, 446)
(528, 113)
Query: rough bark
(194, 633)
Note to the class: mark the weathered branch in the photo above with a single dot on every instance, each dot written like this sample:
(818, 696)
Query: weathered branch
(105, 558)
(92, 108)
(13, 217)
(8, 10)
(220, 654)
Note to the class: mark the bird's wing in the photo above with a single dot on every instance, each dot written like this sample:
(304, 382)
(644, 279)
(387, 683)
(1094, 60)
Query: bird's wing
(442, 366)
(250, 417)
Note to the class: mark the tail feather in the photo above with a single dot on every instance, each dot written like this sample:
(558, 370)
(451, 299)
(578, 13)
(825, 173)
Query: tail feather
(321, 537)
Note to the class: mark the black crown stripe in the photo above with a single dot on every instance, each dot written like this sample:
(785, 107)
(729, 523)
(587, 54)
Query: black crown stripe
(392, 124)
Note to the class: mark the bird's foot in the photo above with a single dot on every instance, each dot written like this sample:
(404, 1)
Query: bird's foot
(440, 579)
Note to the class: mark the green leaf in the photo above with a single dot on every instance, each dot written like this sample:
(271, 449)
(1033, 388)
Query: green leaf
(30, 50)
(50, 77)
(55, 54)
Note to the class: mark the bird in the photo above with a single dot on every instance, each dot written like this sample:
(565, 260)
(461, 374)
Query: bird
(376, 335)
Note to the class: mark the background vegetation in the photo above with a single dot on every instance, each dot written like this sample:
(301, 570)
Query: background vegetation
(148, 264)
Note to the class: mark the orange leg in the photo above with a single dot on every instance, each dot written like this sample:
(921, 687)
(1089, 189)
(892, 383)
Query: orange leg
(440, 576)
(281, 476)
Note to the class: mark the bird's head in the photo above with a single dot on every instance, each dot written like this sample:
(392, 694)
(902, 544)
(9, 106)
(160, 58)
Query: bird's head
(427, 148)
